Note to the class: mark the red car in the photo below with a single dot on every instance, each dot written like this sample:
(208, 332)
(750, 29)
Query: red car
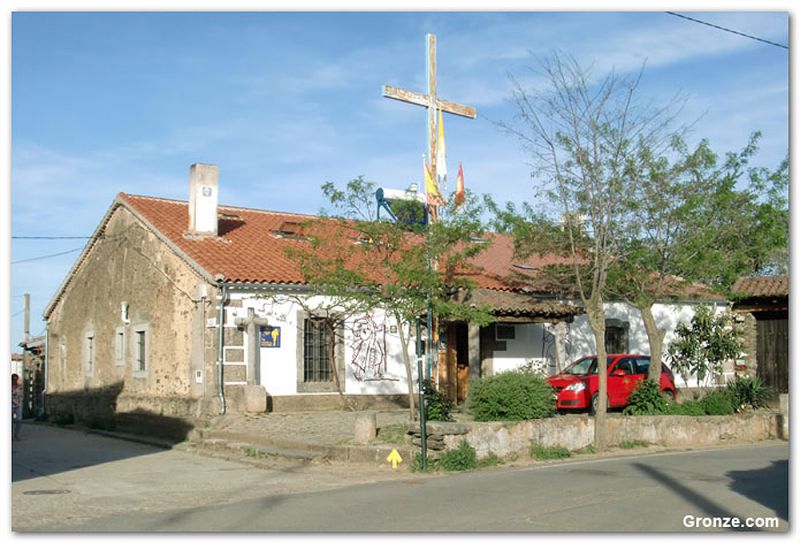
(576, 386)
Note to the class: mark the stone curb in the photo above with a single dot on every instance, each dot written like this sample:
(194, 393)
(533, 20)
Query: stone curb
(305, 451)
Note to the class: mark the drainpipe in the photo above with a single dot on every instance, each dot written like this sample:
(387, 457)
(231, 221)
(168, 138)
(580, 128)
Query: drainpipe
(46, 365)
(223, 293)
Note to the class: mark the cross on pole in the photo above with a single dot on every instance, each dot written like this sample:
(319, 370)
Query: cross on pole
(430, 101)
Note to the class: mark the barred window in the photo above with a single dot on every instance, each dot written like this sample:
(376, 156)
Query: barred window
(316, 350)
(141, 351)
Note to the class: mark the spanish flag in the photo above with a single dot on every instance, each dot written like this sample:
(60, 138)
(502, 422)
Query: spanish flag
(431, 189)
(460, 194)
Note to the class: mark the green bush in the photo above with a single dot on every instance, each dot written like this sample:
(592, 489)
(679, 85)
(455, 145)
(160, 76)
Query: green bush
(489, 461)
(557, 452)
(633, 444)
(463, 458)
(63, 419)
(688, 408)
(748, 393)
(717, 402)
(438, 406)
(511, 395)
(646, 400)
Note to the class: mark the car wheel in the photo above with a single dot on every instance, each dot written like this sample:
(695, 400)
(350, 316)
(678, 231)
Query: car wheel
(668, 395)
(595, 403)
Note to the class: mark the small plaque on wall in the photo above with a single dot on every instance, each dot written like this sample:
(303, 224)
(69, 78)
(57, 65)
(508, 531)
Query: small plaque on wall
(270, 336)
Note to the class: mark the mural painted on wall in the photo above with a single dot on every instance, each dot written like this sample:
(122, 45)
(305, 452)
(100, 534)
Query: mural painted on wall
(556, 347)
(369, 349)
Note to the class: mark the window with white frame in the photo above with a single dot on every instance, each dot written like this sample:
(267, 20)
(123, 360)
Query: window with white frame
(140, 350)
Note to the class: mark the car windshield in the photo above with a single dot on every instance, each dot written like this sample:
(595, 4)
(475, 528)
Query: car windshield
(584, 366)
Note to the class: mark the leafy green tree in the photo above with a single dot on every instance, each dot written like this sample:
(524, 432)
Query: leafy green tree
(704, 345)
(360, 264)
(690, 223)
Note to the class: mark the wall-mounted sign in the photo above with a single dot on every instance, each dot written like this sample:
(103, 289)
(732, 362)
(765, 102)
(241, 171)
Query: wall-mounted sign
(270, 336)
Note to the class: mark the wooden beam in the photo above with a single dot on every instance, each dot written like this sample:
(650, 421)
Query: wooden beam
(423, 100)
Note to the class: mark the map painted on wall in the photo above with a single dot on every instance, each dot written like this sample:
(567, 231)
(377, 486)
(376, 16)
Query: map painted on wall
(270, 336)
(369, 349)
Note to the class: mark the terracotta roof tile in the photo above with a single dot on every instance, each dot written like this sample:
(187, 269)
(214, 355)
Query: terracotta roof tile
(762, 287)
(250, 249)
(247, 249)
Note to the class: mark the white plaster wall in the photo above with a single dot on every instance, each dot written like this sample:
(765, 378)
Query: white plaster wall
(527, 346)
(533, 342)
(278, 366)
(393, 377)
(668, 316)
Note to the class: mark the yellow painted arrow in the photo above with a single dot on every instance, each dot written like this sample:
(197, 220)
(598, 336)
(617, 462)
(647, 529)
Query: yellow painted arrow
(394, 457)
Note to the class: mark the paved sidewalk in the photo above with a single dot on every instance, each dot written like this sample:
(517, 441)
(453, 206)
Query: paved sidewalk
(321, 428)
(318, 435)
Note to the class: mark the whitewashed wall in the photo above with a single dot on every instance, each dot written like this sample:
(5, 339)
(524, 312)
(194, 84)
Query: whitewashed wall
(278, 365)
(535, 342)
(532, 344)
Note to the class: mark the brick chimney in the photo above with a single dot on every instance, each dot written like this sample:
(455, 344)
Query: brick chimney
(203, 199)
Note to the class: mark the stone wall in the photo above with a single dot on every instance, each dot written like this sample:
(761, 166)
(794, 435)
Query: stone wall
(130, 283)
(328, 402)
(576, 432)
(750, 340)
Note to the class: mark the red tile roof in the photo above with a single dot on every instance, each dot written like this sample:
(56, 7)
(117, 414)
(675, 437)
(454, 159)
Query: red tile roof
(762, 287)
(251, 248)
(248, 249)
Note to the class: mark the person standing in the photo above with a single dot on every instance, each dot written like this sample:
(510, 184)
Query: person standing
(16, 405)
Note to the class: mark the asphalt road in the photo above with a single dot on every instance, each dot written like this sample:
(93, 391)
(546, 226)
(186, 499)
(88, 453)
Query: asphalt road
(127, 487)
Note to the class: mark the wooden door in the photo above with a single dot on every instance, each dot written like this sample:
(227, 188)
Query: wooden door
(772, 353)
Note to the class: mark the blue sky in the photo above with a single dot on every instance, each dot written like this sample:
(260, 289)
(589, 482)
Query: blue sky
(104, 103)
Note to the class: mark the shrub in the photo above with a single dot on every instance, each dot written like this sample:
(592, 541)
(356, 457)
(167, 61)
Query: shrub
(438, 406)
(64, 419)
(717, 402)
(490, 460)
(646, 400)
(689, 408)
(633, 444)
(102, 423)
(748, 393)
(512, 395)
(416, 463)
(540, 452)
(463, 458)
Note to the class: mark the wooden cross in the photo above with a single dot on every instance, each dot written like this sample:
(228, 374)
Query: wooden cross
(430, 101)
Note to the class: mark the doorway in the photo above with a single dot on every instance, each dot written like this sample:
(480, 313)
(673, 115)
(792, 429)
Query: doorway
(454, 362)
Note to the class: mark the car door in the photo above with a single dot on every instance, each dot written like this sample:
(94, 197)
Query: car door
(622, 381)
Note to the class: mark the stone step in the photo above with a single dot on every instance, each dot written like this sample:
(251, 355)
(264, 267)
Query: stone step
(257, 451)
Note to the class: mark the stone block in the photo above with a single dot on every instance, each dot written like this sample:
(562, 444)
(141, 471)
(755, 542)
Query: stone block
(365, 428)
(784, 417)
(255, 399)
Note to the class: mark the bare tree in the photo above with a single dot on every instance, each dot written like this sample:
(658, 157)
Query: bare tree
(584, 137)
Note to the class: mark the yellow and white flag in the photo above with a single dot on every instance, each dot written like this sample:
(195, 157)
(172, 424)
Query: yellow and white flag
(431, 190)
(441, 153)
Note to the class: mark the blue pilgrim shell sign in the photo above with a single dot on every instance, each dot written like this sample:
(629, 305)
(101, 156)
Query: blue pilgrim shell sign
(270, 336)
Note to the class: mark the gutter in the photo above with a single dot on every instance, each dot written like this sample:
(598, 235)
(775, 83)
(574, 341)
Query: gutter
(46, 366)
